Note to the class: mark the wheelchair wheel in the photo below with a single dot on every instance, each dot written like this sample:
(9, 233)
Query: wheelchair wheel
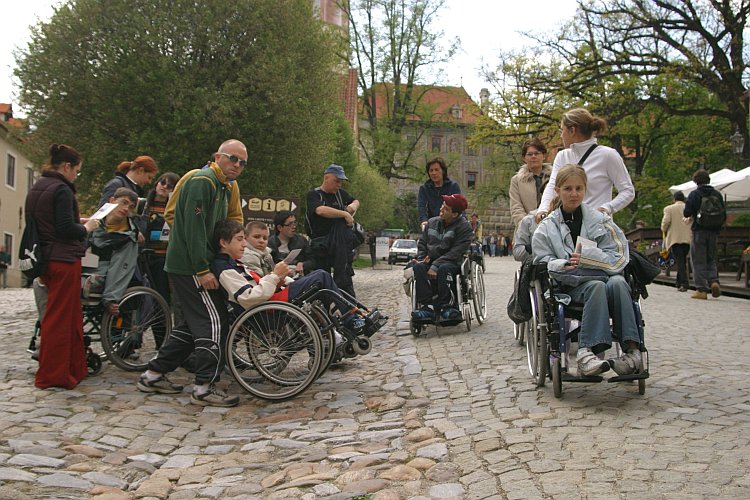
(275, 351)
(133, 337)
(414, 327)
(463, 289)
(542, 358)
(93, 362)
(532, 331)
(557, 377)
(642, 386)
(536, 342)
(327, 336)
(477, 291)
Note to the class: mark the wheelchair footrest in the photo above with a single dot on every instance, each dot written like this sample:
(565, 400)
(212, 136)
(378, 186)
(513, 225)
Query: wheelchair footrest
(567, 377)
(449, 322)
(627, 378)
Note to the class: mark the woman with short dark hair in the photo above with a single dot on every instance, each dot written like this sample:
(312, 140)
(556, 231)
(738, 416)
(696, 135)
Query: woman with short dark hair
(527, 186)
(431, 192)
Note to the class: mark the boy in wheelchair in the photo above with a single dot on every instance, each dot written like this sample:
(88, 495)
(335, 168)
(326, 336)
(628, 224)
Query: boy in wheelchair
(586, 253)
(445, 240)
(115, 242)
(246, 288)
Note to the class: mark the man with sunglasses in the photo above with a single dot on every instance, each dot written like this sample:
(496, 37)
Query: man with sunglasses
(202, 201)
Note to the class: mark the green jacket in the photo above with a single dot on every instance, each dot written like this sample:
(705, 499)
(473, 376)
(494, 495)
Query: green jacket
(201, 203)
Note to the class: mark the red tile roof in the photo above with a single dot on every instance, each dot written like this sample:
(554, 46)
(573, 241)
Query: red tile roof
(5, 108)
(435, 103)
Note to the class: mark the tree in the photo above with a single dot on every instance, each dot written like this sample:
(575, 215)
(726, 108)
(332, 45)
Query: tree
(393, 44)
(658, 43)
(174, 78)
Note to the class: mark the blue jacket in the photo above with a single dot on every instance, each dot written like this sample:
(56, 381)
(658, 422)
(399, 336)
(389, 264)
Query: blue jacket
(430, 198)
(553, 244)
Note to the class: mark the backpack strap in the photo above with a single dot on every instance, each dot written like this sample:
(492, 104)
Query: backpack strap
(586, 154)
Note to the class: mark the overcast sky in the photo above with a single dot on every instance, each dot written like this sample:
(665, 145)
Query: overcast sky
(484, 26)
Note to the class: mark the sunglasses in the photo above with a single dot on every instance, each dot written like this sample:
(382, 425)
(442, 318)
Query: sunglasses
(166, 184)
(235, 159)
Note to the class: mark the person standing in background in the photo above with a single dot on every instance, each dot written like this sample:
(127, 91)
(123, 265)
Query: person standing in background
(677, 236)
(134, 175)
(429, 198)
(527, 186)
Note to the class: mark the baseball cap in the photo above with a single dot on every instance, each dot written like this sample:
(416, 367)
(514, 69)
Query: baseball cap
(457, 202)
(336, 170)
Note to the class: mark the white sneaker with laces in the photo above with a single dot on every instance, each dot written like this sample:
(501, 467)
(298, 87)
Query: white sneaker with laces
(627, 364)
(589, 363)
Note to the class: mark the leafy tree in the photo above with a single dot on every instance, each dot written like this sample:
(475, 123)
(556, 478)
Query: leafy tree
(174, 78)
(393, 44)
(375, 197)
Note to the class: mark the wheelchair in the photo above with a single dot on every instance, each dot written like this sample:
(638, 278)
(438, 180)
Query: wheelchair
(276, 350)
(470, 294)
(550, 332)
(132, 337)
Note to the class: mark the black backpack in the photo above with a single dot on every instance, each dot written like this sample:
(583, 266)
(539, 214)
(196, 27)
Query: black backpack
(31, 261)
(712, 213)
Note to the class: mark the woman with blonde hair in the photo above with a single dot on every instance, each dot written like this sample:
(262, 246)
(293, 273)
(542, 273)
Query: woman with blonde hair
(134, 175)
(586, 253)
(603, 165)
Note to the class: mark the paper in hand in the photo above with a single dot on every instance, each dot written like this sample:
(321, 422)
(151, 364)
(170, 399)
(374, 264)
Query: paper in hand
(289, 259)
(582, 243)
(104, 211)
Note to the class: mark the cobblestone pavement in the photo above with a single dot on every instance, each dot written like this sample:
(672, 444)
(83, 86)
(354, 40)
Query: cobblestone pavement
(451, 414)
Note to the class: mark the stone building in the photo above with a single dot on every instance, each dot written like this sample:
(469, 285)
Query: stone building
(442, 125)
(17, 178)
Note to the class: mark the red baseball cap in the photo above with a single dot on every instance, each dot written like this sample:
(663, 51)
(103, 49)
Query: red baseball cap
(457, 202)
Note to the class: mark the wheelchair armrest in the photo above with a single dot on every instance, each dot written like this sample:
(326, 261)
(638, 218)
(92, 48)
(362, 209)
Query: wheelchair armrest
(309, 292)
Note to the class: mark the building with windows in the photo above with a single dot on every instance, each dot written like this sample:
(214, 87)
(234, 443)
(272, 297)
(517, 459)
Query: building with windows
(17, 178)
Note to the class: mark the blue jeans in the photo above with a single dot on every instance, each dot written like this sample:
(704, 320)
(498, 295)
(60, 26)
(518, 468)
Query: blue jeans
(600, 301)
(703, 255)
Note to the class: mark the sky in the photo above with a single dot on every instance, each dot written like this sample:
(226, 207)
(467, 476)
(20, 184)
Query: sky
(484, 27)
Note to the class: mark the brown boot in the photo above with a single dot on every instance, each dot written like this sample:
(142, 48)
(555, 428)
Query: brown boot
(715, 289)
(699, 295)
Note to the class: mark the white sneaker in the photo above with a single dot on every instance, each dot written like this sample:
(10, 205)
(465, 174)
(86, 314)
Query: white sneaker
(627, 364)
(589, 363)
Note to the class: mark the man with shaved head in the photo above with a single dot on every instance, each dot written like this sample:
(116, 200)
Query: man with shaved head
(200, 203)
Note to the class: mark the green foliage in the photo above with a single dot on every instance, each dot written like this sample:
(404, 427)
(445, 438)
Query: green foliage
(742, 219)
(406, 213)
(374, 195)
(174, 78)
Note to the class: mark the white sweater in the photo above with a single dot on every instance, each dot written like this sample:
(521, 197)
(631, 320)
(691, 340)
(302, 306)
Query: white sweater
(604, 168)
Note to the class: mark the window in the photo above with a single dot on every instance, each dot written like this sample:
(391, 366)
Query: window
(457, 112)
(10, 171)
(8, 242)
(454, 147)
(29, 178)
(471, 151)
(471, 178)
(437, 144)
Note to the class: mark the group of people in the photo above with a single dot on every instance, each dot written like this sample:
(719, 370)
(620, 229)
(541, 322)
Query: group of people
(203, 257)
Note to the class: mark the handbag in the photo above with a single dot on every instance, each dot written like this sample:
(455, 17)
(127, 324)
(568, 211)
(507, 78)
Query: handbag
(360, 235)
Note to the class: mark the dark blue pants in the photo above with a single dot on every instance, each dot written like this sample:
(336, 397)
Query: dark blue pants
(324, 280)
(440, 292)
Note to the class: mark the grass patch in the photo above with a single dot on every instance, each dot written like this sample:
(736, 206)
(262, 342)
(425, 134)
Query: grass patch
(361, 262)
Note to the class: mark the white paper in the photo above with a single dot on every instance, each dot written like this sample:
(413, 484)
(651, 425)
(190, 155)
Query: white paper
(582, 243)
(292, 255)
(104, 211)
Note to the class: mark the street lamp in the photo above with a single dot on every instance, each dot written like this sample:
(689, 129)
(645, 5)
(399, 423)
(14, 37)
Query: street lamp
(738, 142)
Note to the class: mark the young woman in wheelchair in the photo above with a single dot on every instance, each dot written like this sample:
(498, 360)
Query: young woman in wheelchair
(586, 254)
(246, 288)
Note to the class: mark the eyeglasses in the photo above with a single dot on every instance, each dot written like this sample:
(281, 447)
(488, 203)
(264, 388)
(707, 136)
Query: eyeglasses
(166, 184)
(535, 154)
(291, 224)
(235, 159)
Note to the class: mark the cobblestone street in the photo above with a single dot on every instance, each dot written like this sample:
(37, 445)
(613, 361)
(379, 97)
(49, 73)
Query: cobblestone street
(450, 414)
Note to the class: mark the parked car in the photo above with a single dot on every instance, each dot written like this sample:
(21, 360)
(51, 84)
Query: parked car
(402, 250)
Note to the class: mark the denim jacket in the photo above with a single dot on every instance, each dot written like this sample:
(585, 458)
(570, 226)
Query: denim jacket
(552, 243)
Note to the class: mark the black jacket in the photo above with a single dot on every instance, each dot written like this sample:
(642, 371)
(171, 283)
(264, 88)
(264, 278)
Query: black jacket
(443, 243)
(693, 205)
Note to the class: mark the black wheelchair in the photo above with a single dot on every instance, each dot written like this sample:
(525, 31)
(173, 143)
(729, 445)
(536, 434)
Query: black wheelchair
(276, 350)
(550, 332)
(469, 292)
